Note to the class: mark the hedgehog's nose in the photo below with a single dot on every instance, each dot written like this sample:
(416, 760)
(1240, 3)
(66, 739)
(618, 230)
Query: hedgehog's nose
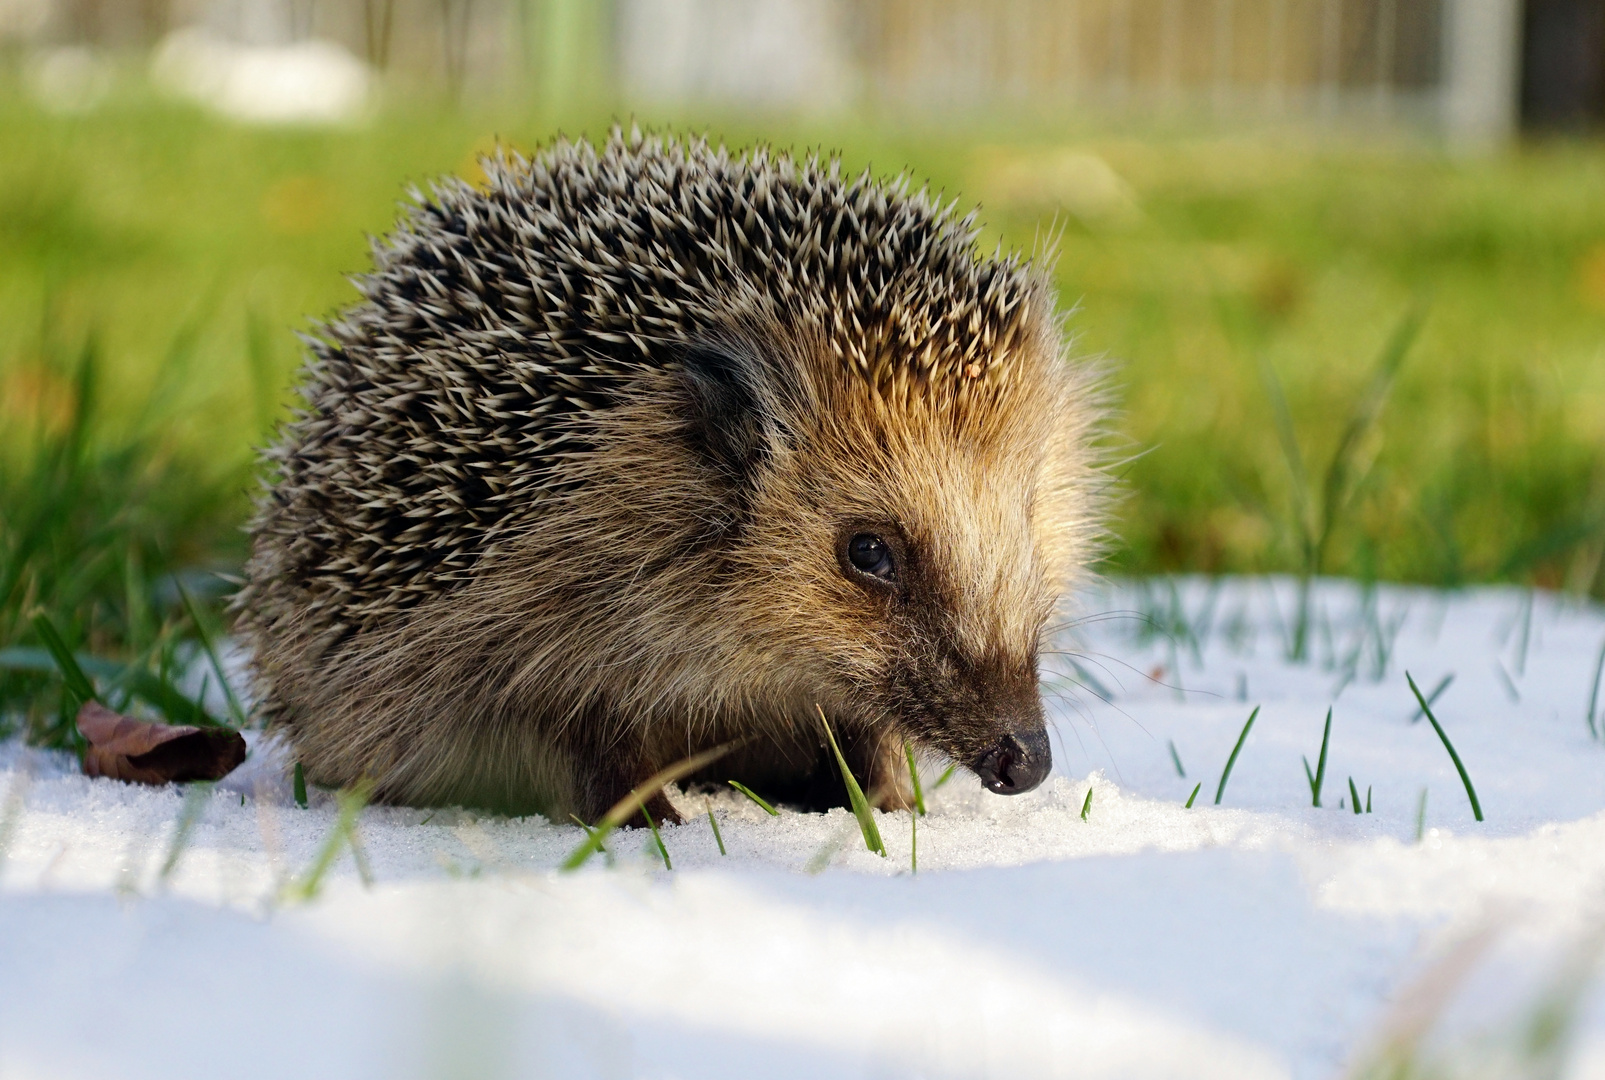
(1019, 762)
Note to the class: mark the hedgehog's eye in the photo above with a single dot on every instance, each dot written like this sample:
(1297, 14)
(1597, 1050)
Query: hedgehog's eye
(871, 555)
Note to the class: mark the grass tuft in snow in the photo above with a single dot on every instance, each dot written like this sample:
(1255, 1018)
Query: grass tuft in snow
(947, 774)
(1421, 815)
(1316, 522)
(591, 835)
(914, 779)
(351, 802)
(1594, 726)
(235, 708)
(1471, 792)
(196, 796)
(755, 797)
(1090, 681)
(1538, 1043)
(1226, 773)
(827, 851)
(1318, 778)
(79, 688)
(714, 824)
(625, 808)
(1432, 698)
(913, 843)
(11, 809)
(98, 517)
(1507, 682)
(1188, 805)
(1354, 796)
(1176, 758)
(855, 794)
(298, 783)
(657, 838)
(1086, 804)
(1525, 640)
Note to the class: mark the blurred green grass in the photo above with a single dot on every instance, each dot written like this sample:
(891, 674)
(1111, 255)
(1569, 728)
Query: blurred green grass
(179, 254)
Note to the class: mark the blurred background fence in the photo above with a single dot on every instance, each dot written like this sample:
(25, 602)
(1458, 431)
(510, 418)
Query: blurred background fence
(1474, 69)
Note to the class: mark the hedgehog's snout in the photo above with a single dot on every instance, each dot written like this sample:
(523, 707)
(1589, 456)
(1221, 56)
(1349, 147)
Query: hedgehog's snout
(1018, 762)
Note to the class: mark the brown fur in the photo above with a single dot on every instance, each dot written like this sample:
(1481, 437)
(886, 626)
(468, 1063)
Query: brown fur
(568, 498)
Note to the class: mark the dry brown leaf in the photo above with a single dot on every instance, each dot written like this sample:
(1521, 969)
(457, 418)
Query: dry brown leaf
(140, 752)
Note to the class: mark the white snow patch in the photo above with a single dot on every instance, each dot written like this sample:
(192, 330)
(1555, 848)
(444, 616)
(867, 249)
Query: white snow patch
(1259, 938)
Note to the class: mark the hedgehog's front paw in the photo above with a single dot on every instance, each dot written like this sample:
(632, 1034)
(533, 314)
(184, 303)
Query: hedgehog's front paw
(662, 811)
(892, 795)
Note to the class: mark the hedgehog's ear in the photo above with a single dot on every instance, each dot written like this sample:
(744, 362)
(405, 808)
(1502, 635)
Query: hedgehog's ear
(725, 416)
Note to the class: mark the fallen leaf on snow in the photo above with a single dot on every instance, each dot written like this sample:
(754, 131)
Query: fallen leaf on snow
(123, 748)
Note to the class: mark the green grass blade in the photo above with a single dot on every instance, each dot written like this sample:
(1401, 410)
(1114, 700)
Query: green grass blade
(351, 801)
(599, 840)
(299, 784)
(236, 710)
(1432, 698)
(1339, 484)
(133, 678)
(947, 774)
(1196, 788)
(1594, 726)
(1309, 776)
(160, 691)
(754, 796)
(914, 778)
(1421, 816)
(820, 859)
(1086, 804)
(1471, 792)
(77, 683)
(913, 843)
(1557, 539)
(1241, 739)
(1320, 765)
(1176, 758)
(196, 796)
(715, 823)
(1090, 681)
(855, 794)
(1293, 457)
(1368, 798)
(1354, 796)
(619, 813)
(656, 837)
(259, 364)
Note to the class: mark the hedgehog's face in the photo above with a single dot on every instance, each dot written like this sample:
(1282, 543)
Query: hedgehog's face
(935, 681)
(890, 556)
(907, 566)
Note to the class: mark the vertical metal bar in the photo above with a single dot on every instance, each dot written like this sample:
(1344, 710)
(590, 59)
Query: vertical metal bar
(1119, 65)
(1331, 54)
(1276, 61)
(1170, 50)
(1223, 54)
(1387, 33)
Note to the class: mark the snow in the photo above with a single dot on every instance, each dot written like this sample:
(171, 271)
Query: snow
(1258, 938)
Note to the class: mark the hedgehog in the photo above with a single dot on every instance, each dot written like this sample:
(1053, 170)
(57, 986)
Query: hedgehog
(635, 449)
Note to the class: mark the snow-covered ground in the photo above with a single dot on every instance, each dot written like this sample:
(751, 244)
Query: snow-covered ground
(1258, 938)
